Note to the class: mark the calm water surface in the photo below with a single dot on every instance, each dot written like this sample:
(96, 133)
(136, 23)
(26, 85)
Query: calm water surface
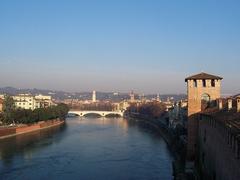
(87, 148)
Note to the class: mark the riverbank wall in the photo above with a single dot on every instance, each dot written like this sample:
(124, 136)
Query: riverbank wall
(21, 129)
(157, 124)
(175, 145)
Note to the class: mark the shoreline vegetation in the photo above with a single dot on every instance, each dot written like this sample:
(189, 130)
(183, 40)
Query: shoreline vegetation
(15, 121)
(7, 132)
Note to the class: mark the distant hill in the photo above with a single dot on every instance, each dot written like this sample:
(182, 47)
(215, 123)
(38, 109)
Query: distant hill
(84, 95)
(14, 91)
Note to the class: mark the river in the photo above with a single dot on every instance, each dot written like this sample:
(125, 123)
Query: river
(87, 148)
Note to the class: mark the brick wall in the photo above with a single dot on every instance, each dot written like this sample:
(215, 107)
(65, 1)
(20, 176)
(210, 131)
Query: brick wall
(218, 151)
(7, 131)
(195, 106)
(28, 128)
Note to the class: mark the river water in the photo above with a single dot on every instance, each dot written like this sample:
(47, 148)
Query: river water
(87, 148)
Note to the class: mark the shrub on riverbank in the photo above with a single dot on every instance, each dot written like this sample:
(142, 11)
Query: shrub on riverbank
(26, 116)
(150, 110)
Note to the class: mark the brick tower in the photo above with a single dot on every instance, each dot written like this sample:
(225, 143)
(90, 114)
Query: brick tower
(201, 88)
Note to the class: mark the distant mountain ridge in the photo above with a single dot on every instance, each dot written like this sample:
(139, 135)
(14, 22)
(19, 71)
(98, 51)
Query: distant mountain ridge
(60, 95)
(14, 91)
(34, 91)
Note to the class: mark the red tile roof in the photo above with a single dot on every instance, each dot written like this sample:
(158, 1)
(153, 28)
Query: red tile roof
(203, 76)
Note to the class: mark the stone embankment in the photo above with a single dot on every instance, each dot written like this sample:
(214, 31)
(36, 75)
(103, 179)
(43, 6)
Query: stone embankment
(158, 124)
(170, 139)
(21, 129)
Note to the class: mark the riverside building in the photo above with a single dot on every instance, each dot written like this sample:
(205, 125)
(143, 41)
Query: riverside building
(1, 104)
(27, 101)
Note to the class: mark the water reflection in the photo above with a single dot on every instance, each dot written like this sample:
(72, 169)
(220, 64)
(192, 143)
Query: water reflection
(26, 144)
(102, 121)
(87, 148)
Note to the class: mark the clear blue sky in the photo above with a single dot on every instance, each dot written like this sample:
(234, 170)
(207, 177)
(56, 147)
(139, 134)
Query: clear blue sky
(148, 46)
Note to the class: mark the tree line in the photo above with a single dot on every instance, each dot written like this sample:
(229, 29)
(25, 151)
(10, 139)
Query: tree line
(94, 106)
(11, 115)
(151, 109)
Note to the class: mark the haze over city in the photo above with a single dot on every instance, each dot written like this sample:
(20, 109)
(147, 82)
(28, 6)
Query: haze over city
(120, 89)
(146, 46)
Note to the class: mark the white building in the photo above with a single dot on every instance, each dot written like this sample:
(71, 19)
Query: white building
(123, 105)
(42, 101)
(24, 101)
(27, 101)
(1, 104)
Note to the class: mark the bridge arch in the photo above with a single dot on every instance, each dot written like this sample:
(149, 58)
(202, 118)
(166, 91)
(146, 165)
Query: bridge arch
(89, 113)
(101, 113)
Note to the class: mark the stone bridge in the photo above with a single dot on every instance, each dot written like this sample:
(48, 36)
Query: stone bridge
(101, 113)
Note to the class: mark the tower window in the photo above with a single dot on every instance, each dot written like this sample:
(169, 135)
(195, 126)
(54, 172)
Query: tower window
(205, 97)
(205, 103)
(195, 83)
(204, 82)
(213, 83)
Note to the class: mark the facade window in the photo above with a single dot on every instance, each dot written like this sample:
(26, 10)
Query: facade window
(205, 103)
(23, 103)
(19, 103)
(30, 104)
(206, 97)
(213, 83)
(204, 83)
(195, 83)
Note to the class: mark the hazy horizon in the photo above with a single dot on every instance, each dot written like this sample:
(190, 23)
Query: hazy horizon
(90, 91)
(146, 46)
